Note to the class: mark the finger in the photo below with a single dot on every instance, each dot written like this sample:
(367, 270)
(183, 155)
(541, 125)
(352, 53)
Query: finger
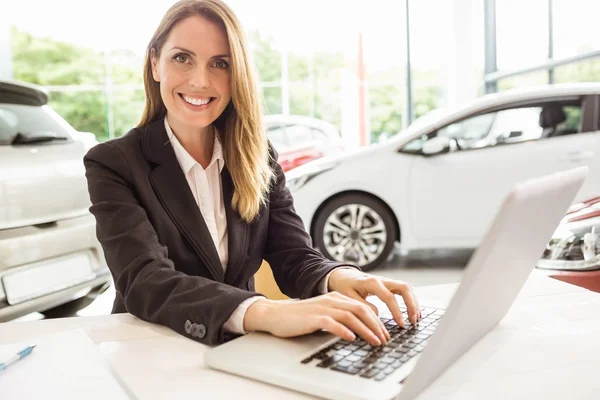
(376, 286)
(329, 324)
(352, 322)
(383, 330)
(405, 290)
(363, 312)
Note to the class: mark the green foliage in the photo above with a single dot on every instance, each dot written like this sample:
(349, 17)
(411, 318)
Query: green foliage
(387, 104)
(266, 58)
(314, 87)
(44, 61)
(48, 62)
(585, 71)
(86, 111)
(314, 84)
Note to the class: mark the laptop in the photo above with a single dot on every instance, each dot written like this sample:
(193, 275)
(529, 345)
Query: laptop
(326, 366)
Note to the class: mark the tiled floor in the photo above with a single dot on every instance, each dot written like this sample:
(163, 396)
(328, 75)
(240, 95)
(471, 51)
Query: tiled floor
(419, 268)
(426, 268)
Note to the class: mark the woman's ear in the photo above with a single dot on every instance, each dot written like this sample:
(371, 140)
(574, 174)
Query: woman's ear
(154, 64)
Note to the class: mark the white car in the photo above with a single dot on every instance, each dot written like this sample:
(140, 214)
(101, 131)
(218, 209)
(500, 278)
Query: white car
(50, 259)
(439, 183)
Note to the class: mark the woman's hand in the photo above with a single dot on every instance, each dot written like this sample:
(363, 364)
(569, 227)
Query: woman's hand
(358, 285)
(332, 312)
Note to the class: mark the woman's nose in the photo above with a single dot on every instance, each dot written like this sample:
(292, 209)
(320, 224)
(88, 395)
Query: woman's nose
(200, 78)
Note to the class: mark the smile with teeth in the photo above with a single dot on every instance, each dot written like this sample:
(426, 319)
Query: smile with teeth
(196, 101)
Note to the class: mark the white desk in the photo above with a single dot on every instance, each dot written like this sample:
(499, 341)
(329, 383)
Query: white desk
(547, 347)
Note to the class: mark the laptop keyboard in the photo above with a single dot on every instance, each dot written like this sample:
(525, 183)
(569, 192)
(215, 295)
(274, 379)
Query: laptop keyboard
(377, 362)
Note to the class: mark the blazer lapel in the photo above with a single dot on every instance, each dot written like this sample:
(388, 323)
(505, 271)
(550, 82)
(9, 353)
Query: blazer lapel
(237, 232)
(174, 193)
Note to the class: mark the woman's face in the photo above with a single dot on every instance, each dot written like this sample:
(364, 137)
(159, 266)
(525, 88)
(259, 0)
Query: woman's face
(193, 71)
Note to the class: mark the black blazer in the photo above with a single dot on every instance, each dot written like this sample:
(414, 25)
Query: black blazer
(164, 263)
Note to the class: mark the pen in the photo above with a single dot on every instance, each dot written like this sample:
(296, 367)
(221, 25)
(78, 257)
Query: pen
(20, 355)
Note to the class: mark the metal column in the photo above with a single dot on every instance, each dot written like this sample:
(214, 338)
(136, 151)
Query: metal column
(491, 65)
(550, 41)
(409, 100)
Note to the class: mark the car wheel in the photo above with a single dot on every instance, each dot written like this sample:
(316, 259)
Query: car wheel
(69, 309)
(355, 229)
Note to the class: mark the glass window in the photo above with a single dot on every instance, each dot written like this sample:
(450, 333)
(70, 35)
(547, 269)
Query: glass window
(387, 104)
(575, 27)
(516, 125)
(272, 99)
(15, 118)
(85, 110)
(508, 126)
(301, 98)
(450, 75)
(522, 37)
(573, 121)
(583, 71)
(127, 110)
(469, 130)
(532, 123)
(531, 79)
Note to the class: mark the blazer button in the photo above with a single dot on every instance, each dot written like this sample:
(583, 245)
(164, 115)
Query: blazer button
(188, 326)
(194, 330)
(201, 331)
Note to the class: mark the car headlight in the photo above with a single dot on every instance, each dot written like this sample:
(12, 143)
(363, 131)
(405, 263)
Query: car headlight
(298, 177)
(575, 248)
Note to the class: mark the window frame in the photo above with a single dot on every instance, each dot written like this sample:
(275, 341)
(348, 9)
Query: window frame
(590, 119)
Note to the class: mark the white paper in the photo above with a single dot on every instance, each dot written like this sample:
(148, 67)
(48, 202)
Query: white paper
(66, 365)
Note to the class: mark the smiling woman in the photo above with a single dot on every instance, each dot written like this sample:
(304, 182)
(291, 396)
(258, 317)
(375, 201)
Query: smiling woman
(190, 203)
(197, 68)
(194, 77)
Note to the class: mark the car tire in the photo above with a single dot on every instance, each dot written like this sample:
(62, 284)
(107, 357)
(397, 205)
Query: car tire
(70, 309)
(374, 214)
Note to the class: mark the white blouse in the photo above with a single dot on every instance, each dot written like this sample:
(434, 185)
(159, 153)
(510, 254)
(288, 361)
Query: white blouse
(205, 185)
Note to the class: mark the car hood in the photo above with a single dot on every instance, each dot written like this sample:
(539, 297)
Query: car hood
(42, 184)
(337, 159)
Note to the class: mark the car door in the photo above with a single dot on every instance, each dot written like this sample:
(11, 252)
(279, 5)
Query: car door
(454, 196)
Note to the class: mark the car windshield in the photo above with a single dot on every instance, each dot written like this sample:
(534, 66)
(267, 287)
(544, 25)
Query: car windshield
(278, 138)
(30, 120)
(428, 118)
(424, 120)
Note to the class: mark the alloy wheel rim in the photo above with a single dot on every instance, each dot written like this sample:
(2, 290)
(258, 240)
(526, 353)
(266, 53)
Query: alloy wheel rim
(354, 233)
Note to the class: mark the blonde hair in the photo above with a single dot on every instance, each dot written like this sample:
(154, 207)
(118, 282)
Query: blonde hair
(240, 127)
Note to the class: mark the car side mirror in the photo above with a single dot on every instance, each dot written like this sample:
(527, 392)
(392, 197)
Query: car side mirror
(436, 145)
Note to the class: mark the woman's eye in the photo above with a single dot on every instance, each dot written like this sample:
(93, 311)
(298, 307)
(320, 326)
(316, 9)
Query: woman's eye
(182, 58)
(221, 64)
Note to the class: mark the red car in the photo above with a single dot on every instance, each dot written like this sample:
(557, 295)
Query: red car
(300, 139)
(294, 158)
(573, 253)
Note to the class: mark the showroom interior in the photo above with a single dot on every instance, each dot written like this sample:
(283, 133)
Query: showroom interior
(412, 138)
